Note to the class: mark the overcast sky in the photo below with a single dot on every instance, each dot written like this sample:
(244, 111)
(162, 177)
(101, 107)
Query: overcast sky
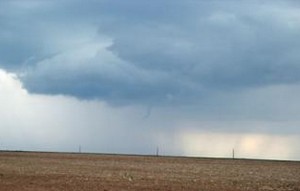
(191, 77)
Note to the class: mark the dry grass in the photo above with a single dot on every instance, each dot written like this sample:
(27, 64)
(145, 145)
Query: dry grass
(21, 171)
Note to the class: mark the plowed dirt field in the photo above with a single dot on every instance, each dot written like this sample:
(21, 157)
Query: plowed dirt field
(21, 171)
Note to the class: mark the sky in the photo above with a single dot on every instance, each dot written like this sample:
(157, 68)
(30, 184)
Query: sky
(193, 78)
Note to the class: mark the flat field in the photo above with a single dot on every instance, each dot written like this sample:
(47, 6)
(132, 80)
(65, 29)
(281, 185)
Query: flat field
(21, 171)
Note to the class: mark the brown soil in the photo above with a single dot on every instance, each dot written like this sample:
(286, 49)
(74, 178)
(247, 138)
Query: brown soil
(21, 171)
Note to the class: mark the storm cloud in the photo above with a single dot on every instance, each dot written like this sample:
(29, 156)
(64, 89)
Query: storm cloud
(62, 123)
(148, 53)
(169, 71)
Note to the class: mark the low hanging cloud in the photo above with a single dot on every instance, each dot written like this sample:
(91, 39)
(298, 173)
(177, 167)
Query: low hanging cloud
(92, 72)
(147, 53)
(62, 123)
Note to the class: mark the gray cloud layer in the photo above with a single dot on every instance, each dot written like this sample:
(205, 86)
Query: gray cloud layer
(185, 72)
(150, 52)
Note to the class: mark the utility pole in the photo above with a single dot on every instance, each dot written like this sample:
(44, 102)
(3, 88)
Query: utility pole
(233, 153)
(157, 151)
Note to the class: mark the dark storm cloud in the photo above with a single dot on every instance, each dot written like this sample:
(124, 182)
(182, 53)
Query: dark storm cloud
(190, 76)
(158, 51)
(224, 48)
